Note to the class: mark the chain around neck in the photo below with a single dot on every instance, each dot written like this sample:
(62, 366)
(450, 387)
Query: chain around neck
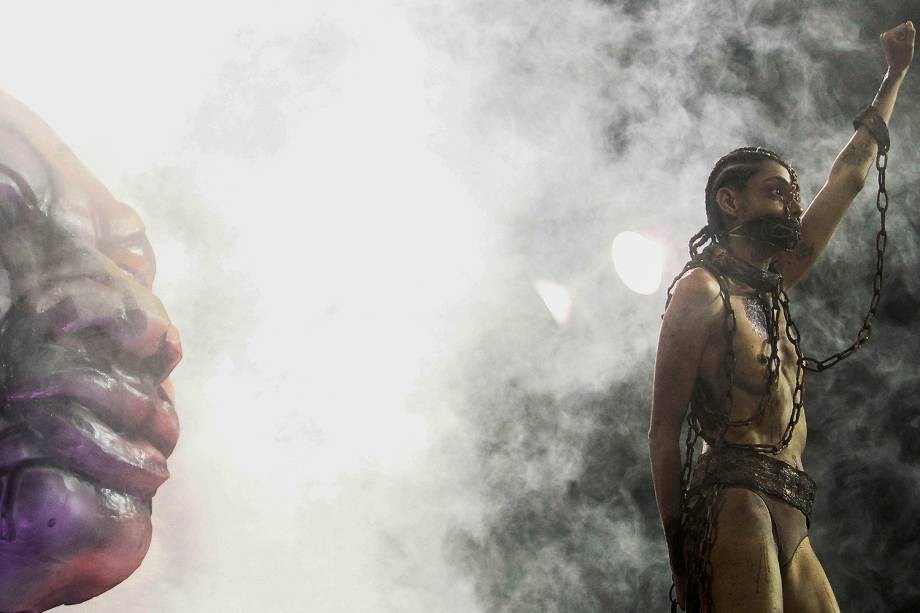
(740, 271)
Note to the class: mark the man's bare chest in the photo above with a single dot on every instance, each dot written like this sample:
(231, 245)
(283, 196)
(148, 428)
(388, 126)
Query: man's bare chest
(750, 331)
(759, 341)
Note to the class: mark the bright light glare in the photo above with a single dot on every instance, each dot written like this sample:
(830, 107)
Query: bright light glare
(556, 298)
(638, 261)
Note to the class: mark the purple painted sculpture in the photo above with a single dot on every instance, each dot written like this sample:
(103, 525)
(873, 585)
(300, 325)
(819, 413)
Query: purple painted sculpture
(87, 419)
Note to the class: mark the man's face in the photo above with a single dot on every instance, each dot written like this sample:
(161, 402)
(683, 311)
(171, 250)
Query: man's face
(87, 416)
(768, 193)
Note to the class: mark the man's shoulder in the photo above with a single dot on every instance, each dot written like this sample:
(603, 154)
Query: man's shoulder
(697, 285)
(696, 300)
(696, 306)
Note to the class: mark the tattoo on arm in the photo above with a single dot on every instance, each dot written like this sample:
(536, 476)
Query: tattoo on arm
(857, 154)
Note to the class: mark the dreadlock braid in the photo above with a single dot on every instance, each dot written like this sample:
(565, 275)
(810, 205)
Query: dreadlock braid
(734, 170)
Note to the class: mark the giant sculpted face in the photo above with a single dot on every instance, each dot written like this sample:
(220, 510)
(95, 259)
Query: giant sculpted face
(87, 417)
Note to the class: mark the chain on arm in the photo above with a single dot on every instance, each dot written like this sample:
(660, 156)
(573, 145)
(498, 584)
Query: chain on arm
(881, 241)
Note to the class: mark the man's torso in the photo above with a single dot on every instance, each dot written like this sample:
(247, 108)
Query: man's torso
(749, 389)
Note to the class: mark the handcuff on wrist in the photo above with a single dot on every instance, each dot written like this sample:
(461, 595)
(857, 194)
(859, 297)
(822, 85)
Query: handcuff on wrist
(873, 122)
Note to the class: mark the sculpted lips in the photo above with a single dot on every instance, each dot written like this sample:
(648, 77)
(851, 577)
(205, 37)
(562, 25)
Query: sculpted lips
(92, 405)
(116, 429)
(126, 403)
(90, 447)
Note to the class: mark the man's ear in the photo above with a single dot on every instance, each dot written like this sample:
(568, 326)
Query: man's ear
(728, 201)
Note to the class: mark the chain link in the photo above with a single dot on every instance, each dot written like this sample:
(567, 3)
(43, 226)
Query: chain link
(881, 242)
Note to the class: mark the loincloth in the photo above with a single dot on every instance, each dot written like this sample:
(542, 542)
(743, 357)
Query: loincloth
(788, 493)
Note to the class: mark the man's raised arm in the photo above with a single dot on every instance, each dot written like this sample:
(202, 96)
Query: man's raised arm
(849, 171)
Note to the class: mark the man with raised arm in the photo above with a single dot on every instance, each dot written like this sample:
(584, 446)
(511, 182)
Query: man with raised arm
(729, 361)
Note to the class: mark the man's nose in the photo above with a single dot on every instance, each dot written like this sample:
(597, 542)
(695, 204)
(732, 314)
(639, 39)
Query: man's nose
(794, 209)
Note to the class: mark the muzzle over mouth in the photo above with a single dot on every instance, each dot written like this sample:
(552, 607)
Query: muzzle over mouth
(780, 232)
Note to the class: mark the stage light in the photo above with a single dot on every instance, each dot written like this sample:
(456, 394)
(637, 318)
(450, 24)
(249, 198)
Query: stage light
(556, 298)
(638, 261)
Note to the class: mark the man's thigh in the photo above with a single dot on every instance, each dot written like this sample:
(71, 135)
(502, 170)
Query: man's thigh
(805, 585)
(745, 569)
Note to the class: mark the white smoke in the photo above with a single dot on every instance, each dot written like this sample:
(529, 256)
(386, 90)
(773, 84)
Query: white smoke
(351, 203)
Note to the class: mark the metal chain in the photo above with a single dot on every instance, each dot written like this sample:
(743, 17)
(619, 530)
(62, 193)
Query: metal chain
(773, 368)
(881, 241)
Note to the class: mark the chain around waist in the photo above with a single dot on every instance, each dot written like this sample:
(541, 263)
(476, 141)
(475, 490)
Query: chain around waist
(746, 468)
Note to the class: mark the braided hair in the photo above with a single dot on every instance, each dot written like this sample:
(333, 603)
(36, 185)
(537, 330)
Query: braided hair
(733, 170)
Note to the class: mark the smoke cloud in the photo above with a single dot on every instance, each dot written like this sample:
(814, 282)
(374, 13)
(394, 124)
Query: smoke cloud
(352, 204)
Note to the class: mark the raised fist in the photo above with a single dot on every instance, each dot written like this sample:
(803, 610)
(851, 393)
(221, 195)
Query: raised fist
(87, 417)
(898, 43)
